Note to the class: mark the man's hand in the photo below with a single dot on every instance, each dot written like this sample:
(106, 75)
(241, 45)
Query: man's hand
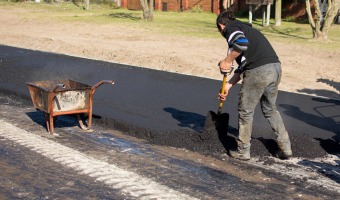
(226, 63)
(222, 95)
(224, 66)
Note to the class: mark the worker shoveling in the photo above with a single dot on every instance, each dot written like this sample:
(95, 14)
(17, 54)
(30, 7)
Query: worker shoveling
(218, 121)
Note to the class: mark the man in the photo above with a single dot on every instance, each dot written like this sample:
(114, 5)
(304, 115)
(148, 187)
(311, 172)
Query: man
(261, 70)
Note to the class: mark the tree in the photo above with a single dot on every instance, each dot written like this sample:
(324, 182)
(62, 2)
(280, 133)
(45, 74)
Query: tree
(87, 4)
(278, 8)
(321, 21)
(147, 9)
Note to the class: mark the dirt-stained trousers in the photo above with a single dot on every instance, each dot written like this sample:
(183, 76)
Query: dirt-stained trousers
(260, 85)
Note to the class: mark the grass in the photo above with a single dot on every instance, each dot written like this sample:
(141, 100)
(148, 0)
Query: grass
(191, 24)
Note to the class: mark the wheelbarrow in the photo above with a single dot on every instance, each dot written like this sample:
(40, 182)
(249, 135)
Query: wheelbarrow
(63, 97)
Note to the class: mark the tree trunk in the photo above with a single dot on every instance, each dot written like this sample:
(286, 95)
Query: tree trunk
(332, 11)
(87, 7)
(278, 10)
(147, 10)
(151, 10)
(321, 24)
(119, 3)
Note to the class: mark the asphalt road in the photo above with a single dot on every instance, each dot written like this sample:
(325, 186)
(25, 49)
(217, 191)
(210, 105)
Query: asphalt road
(170, 109)
(108, 165)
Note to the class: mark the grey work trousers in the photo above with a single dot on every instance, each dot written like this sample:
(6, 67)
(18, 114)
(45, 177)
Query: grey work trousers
(260, 85)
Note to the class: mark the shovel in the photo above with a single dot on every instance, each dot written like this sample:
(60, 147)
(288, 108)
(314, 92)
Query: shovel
(218, 121)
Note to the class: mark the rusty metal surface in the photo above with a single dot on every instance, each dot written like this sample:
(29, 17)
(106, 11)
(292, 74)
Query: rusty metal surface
(61, 97)
(71, 100)
(74, 96)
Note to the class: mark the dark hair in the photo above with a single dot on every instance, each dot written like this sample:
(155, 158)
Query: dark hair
(225, 18)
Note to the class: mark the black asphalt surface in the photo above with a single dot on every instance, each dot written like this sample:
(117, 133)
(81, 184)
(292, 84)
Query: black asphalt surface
(170, 109)
(27, 173)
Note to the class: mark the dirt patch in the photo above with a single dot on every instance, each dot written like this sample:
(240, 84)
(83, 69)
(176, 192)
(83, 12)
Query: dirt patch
(305, 70)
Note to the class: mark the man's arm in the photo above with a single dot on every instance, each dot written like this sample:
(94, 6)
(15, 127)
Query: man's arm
(226, 63)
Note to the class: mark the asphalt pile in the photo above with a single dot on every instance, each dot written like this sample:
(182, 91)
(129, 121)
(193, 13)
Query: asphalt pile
(217, 143)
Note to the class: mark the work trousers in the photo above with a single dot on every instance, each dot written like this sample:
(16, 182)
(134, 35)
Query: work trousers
(260, 85)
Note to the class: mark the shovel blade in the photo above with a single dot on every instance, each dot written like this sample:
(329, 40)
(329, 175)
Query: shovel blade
(216, 122)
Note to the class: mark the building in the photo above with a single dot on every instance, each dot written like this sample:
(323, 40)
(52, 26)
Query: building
(294, 9)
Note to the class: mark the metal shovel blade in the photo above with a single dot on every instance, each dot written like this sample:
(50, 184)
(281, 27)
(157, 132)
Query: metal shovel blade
(216, 122)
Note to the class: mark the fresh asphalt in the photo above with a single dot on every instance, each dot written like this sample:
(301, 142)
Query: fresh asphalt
(171, 109)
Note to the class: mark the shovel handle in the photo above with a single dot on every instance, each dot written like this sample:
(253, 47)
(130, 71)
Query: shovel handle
(223, 88)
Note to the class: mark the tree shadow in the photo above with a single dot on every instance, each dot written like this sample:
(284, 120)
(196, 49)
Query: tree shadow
(322, 122)
(283, 32)
(125, 16)
(333, 84)
(190, 120)
(325, 93)
(75, 3)
(321, 93)
(291, 32)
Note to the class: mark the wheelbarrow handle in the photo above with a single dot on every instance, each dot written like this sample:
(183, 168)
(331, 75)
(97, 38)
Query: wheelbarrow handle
(58, 86)
(101, 83)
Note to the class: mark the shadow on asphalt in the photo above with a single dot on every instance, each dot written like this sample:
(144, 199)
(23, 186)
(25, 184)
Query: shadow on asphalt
(185, 119)
(333, 84)
(270, 144)
(323, 121)
(59, 121)
(328, 170)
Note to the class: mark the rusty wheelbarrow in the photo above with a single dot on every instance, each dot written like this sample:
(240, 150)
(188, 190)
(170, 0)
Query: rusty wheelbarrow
(63, 97)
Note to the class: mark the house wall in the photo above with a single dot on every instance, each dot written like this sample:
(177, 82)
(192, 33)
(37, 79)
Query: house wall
(175, 5)
(290, 8)
(294, 8)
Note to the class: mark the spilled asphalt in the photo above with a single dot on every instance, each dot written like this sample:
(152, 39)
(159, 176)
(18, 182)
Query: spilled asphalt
(170, 109)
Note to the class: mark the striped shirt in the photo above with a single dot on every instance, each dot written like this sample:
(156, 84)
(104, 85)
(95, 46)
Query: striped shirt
(256, 49)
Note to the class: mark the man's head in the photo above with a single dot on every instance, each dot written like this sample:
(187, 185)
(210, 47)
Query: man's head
(224, 19)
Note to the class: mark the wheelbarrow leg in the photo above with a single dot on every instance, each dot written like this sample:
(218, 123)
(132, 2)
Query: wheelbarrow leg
(46, 116)
(90, 119)
(49, 122)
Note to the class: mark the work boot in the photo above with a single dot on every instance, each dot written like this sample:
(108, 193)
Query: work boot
(239, 155)
(285, 150)
(242, 152)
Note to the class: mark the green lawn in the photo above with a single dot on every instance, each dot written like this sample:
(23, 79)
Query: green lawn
(176, 23)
